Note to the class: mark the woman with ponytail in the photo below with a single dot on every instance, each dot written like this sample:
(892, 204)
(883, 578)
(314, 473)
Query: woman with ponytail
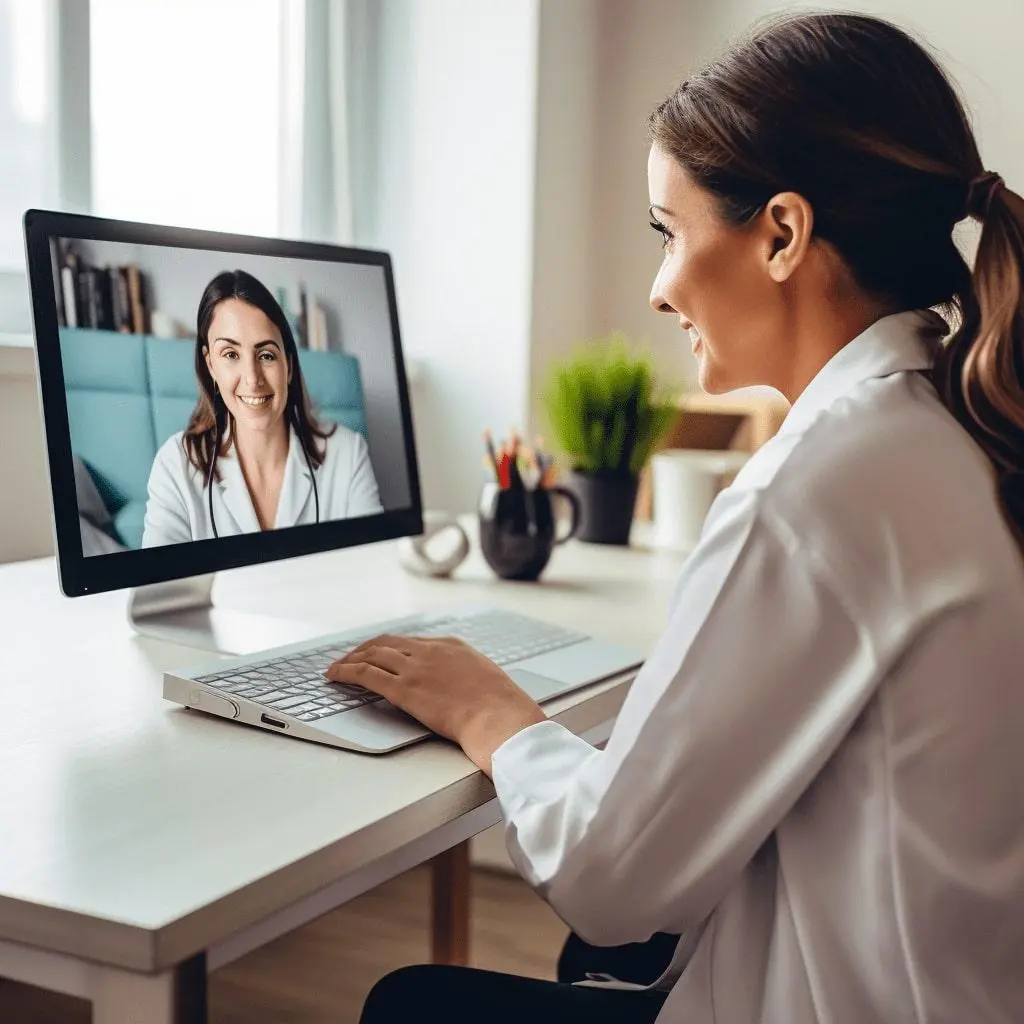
(817, 779)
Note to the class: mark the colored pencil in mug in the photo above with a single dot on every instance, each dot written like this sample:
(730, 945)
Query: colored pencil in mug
(489, 442)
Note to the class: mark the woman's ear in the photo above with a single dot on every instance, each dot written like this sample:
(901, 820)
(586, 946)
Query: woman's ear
(788, 221)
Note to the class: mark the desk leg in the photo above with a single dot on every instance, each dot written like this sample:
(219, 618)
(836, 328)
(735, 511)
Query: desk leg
(450, 882)
(174, 997)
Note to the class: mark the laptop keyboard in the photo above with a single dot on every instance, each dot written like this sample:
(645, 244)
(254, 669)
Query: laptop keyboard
(294, 684)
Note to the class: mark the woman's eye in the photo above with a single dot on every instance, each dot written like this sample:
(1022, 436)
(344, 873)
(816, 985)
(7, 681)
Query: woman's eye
(267, 357)
(666, 235)
(229, 353)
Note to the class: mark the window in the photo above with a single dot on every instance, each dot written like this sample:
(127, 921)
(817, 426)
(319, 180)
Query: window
(28, 169)
(219, 114)
(187, 112)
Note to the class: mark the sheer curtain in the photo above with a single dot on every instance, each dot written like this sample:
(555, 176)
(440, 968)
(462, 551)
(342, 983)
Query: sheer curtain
(316, 183)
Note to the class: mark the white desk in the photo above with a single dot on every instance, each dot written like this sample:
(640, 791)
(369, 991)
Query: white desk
(142, 845)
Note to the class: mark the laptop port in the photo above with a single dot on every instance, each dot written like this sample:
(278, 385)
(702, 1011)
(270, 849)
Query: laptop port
(267, 720)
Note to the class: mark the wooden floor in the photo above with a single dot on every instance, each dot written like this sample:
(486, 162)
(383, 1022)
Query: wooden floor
(322, 972)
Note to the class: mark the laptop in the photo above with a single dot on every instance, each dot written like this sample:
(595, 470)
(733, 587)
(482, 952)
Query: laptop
(164, 354)
(284, 690)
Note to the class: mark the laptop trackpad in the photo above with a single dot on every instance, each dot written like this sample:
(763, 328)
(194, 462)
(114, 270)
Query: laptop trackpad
(538, 687)
(582, 663)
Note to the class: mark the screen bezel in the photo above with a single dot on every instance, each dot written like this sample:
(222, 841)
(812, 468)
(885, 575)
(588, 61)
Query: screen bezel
(80, 574)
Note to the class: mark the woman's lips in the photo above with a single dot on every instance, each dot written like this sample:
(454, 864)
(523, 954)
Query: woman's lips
(255, 401)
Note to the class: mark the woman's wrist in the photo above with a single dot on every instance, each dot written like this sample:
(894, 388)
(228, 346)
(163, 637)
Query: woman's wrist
(489, 728)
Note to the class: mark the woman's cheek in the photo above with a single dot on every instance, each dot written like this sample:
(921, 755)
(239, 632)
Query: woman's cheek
(685, 285)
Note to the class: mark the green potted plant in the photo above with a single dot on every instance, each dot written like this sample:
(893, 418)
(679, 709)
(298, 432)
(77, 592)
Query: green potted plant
(607, 415)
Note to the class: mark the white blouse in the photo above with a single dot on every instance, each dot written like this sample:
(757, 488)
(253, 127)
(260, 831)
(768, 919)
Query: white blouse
(181, 506)
(818, 776)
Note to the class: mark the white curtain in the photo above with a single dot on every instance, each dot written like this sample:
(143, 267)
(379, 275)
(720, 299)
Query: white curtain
(316, 158)
(339, 78)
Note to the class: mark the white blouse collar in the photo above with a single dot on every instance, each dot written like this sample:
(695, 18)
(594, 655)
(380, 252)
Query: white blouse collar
(896, 343)
(296, 488)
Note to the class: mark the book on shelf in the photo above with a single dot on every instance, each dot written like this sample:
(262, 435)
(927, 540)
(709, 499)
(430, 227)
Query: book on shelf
(121, 307)
(66, 285)
(94, 299)
(68, 303)
(312, 318)
(316, 326)
(322, 340)
(84, 297)
(137, 299)
(110, 298)
(104, 315)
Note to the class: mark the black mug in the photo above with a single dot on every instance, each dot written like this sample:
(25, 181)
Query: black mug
(518, 530)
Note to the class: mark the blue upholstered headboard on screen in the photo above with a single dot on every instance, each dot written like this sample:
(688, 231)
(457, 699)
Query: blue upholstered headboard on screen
(127, 393)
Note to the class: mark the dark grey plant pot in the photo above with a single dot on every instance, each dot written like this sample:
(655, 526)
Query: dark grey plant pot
(606, 505)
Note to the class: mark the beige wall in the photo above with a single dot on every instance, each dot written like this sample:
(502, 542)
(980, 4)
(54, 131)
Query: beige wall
(25, 530)
(978, 42)
(457, 157)
(563, 258)
(602, 66)
(644, 49)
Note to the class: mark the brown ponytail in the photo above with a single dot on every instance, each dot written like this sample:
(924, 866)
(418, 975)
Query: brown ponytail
(856, 116)
(981, 373)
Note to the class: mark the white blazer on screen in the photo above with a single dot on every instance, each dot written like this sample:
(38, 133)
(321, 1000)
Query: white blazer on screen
(178, 506)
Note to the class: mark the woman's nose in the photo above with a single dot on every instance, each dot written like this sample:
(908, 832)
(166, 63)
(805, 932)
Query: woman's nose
(254, 371)
(658, 301)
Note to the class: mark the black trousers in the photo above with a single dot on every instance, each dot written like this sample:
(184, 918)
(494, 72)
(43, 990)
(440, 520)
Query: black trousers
(463, 995)
(640, 962)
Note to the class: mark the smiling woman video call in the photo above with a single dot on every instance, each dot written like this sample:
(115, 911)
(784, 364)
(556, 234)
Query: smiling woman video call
(253, 456)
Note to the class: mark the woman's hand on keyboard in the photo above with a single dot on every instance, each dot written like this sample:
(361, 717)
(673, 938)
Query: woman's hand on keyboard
(446, 684)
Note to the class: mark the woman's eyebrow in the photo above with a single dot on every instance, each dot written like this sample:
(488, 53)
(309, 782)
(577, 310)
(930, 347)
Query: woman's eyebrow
(259, 344)
(655, 206)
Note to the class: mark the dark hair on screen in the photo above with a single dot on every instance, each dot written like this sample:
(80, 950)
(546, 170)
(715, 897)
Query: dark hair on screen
(208, 432)
(856, 116)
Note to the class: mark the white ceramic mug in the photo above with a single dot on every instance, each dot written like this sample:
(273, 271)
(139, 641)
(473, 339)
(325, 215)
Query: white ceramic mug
(685, 482)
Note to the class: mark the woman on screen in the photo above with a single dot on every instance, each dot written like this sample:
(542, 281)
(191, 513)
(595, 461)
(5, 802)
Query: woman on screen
(253, 456)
